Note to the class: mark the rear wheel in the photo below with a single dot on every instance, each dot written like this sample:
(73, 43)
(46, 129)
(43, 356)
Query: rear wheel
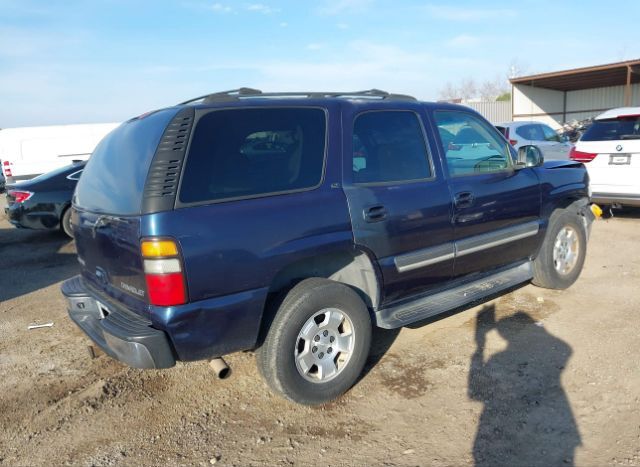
(65, 223)
(563, 252)
(318, 342)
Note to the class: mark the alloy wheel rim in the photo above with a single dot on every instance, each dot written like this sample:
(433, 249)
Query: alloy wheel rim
(324, 345)
(566, 250)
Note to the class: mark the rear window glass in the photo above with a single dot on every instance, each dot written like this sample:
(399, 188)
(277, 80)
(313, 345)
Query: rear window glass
(616, 129)
(240, 153)
(113, 179)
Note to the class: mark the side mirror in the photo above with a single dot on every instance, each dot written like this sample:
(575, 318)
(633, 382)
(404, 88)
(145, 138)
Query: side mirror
(530, 156)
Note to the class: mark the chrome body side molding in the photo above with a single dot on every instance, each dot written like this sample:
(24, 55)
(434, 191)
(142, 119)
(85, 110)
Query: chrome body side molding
(421, 258)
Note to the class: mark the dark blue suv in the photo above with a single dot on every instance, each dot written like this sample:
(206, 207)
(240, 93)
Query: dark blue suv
(294, 223)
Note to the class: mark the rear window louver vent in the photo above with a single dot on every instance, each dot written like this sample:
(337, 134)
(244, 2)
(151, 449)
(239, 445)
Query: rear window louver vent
(161, 185)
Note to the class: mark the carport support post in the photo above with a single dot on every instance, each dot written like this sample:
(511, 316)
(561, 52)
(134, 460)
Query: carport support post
(627, 88)
(564, 108)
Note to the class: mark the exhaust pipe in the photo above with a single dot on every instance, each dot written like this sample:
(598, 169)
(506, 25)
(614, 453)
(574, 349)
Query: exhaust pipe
(220, 367)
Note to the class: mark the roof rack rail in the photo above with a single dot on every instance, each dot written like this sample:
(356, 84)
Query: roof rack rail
(244, 93)
(232, 94)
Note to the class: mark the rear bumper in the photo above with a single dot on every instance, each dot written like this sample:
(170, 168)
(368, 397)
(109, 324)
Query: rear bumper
(121, 334)
(13, 215)
(22, 218)
(616, 198)
(195, 331)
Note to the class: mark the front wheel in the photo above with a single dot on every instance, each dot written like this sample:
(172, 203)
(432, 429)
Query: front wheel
(318, 342)
(563, 252)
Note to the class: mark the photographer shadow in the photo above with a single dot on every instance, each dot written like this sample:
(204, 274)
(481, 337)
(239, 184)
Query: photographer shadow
(526, 418)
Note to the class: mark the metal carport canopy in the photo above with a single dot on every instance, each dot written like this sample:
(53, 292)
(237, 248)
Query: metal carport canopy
(613, 74)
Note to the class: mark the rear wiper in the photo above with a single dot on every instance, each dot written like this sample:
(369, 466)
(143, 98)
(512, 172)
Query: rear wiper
(629, 136)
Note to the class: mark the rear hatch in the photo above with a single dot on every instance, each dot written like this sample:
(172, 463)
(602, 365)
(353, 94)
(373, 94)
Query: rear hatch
(108, 207)
(611, 150)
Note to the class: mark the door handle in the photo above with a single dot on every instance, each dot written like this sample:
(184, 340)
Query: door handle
(463, 200)
(375, 213)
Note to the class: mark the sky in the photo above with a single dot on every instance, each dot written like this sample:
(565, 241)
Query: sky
(108, 60)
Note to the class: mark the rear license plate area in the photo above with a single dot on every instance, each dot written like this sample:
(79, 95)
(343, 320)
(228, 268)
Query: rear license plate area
(619, 159)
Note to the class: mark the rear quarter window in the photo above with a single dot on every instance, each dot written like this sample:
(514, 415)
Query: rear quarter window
(242, 153)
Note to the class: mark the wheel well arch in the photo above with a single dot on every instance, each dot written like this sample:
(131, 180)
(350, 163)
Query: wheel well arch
(574, 203)
(65, 208)
(354, 268)
(350, 267)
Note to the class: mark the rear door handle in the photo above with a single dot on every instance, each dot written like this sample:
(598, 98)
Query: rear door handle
(375, 213)
(463, 200)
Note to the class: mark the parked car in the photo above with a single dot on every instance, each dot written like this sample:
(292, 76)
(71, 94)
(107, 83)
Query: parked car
(552, 145)
(610, 148)
(27, 152)
(292, 224)
(44, 202)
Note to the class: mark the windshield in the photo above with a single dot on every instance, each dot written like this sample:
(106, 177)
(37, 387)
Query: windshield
(614, 129)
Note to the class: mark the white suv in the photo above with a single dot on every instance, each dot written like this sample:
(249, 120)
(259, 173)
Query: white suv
(610, 148)
(552, 145)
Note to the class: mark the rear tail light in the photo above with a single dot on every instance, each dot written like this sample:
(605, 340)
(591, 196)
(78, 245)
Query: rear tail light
(580, 156)
(513, 142)
(6, 166)
(20, 196)
(163, 272)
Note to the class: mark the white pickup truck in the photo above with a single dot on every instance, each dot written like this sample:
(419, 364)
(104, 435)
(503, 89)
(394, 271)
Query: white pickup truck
(30, 151)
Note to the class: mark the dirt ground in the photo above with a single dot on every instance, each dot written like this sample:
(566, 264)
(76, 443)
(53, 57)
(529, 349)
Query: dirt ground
(553, 381)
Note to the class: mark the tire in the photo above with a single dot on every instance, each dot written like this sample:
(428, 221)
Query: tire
(323, 315)
(607, 211)
(561, 257)
(65, 222)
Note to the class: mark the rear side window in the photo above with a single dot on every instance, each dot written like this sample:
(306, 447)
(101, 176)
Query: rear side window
(75, 175)
(389, 146)
(530, 132)
(611, 130)
(239, 153)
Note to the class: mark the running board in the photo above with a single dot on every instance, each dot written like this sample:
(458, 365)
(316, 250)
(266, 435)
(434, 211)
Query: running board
(427, 306)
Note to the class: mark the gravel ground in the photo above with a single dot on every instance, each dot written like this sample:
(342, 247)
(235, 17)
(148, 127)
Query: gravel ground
(535, 377)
